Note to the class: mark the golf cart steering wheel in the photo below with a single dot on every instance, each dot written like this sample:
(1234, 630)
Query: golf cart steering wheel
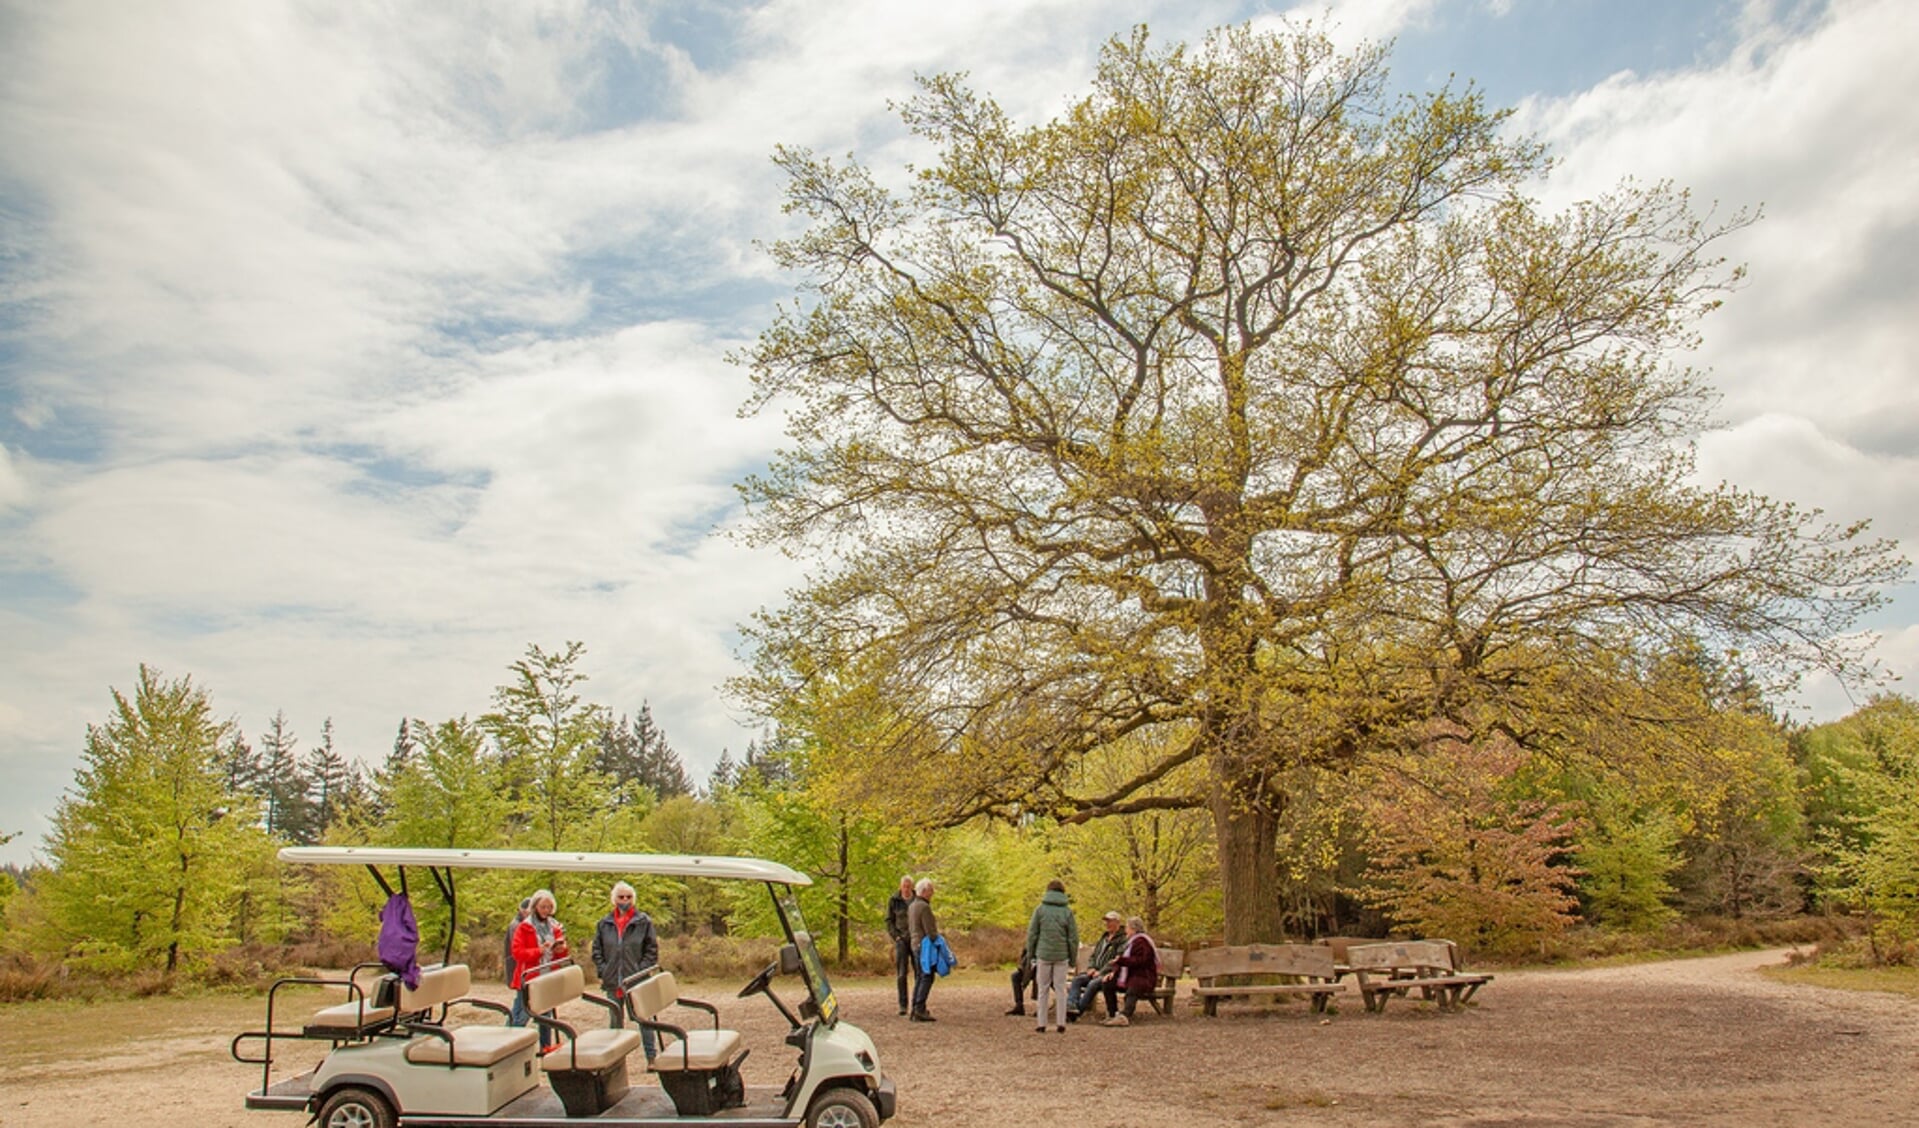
(761, 981)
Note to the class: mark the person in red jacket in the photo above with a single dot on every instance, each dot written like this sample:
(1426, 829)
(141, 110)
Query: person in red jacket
(538, 943)
(1136, 970)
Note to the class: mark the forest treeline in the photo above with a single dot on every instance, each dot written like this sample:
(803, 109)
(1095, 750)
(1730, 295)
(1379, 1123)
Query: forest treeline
(161, 856)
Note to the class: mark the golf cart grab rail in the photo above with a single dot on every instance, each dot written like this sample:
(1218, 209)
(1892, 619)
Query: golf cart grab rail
(663, 865)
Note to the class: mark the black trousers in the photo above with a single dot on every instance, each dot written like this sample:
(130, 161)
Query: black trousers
(902, 964)
(922, 986)
(1025, 982)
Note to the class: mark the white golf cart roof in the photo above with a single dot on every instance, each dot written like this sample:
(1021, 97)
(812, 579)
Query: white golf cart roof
(662, 865)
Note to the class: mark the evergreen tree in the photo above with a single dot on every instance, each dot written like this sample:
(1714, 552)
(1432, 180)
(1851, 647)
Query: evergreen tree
(403, 745)
(240, 766)
(637, 753)
(379, 788)
(283, 788)
(331, 779)
(724, 775)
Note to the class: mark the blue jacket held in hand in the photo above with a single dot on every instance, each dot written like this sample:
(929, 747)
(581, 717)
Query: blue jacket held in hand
(935, 957)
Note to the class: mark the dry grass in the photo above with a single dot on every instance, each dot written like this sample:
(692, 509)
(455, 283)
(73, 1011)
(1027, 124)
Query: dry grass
(1891, 980)
(39, 1033)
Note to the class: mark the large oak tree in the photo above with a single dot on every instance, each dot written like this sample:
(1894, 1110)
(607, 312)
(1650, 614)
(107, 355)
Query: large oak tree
(1250, 404)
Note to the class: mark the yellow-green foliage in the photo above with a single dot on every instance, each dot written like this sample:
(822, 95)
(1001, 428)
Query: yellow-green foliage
(1627, 852)
(149, 854)
(1876, 865)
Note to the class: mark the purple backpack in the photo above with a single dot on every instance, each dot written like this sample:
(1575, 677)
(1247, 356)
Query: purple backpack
(400, 940)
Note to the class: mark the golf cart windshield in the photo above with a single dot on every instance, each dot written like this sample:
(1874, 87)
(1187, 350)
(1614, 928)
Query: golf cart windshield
(811, 969)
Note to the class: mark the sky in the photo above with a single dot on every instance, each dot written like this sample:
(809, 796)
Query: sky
(348, 349)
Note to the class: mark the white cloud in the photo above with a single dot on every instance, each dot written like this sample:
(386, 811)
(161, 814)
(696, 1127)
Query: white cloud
(13, 484)
(368, 345)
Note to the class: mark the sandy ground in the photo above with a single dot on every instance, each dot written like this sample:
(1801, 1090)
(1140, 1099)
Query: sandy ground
(1689, 1042)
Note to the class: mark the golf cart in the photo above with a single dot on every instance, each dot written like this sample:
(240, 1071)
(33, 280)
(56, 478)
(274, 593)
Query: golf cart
(392, 1056)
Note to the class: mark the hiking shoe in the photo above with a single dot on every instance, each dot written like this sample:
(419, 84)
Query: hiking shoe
(1016, 1010)
(922, 1016)
(1117, 1020)
(1059, 1030)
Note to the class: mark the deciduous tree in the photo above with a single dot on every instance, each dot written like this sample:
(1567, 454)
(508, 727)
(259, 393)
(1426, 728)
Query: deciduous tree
(1245, 402)
(147, 844)
(1459, 852)
(548, 736)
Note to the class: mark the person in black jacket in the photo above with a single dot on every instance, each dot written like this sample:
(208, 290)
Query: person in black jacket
(896, 907)
(624, 943)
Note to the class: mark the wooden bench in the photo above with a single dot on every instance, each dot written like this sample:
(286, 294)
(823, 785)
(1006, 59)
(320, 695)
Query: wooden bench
(1263, 971)
(1172, 964)
(1340, 945)
(1399, 968)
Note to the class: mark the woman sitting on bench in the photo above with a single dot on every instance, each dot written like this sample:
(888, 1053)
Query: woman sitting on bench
(1136, 971)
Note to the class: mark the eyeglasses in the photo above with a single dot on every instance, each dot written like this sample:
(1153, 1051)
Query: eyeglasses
(624, 899)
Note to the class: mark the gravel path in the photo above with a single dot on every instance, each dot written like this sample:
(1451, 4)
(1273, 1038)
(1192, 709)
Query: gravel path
(1685, 1042)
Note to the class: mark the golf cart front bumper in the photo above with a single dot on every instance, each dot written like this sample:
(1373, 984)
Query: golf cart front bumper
(886, 1099)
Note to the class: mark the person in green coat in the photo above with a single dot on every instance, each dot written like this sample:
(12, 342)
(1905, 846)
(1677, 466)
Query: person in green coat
(1052, 944)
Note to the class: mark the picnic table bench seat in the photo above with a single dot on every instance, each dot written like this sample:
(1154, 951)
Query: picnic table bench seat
(1400, 967)
(1263, 971)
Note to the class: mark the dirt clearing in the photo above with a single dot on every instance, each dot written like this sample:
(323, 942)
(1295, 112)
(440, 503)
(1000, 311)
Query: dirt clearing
(1685, 1042)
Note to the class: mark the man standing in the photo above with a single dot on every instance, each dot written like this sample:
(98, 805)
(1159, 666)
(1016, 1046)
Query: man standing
(921, 925)
(1098, 976)
(896, 927)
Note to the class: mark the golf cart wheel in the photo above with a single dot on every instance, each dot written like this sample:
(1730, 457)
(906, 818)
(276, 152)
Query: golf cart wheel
(356, 1108)
(842, 1108)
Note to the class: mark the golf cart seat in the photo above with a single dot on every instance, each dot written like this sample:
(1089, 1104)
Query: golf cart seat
(588, 1069)
(434, 1044)
(359, 1017)
(699, 1069)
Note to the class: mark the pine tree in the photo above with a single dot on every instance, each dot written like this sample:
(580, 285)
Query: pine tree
(240, 766)
(637, 753)
(283, 787)
(330, 778)
(725, 774)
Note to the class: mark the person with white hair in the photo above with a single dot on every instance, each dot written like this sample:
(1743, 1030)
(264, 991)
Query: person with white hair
(921, 925)
(1136, 971)
(625, 944)
(539, 945)
(896, 927)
